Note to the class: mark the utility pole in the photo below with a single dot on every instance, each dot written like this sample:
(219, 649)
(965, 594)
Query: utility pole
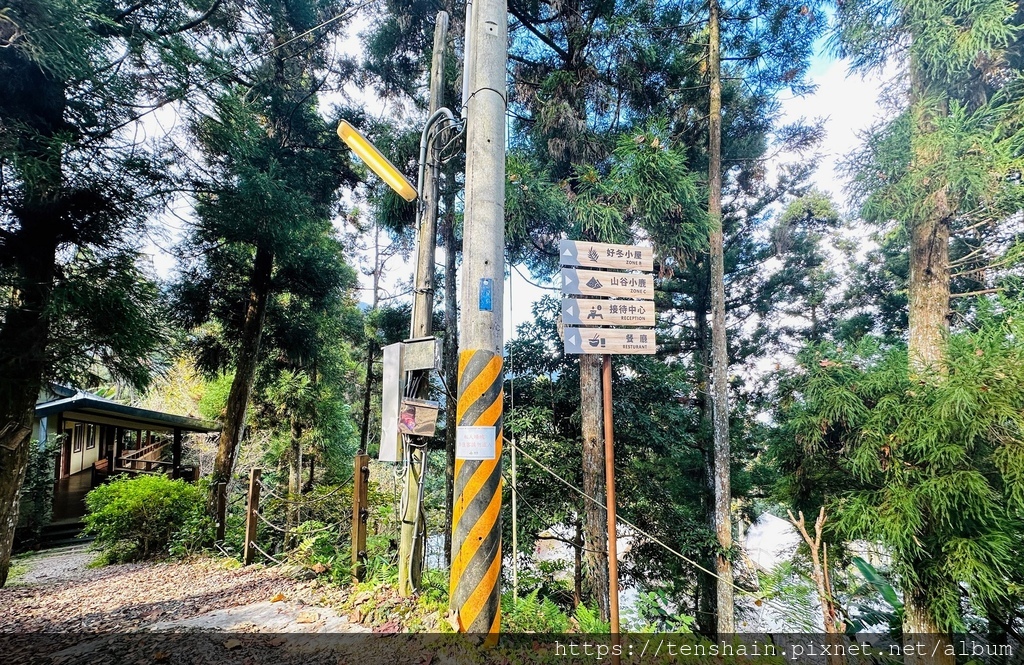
(414, 532)
(719, 351)
(476, 519)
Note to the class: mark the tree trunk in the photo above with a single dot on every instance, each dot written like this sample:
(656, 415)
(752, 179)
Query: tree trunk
(312, 474)
(245, 366)
(923, 642)
(577, 567)
(929, 289)
(294, 516)
(595, 530)
(719, 355)
(371, 345)
(451, 364)
(25, 332)
(928, 311)
(707, 617)
(364, 434)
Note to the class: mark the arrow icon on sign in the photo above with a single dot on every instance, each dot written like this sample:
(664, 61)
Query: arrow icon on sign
(567, 250)
(570, 281)
(573, 341)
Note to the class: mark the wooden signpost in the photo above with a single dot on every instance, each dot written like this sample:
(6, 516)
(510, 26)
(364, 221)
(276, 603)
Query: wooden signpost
(608, 341)
(594, 277)
(598, 312)
(578, 282)
(602, 255)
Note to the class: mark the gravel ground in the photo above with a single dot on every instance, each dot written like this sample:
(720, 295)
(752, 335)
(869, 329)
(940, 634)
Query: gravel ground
(54, 566)
(204, 611)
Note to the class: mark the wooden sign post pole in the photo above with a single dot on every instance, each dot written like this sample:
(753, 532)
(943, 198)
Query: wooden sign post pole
(609, 475)
(251, 516)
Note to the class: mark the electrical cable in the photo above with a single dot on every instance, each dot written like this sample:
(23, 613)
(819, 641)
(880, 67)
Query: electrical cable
(647, 535)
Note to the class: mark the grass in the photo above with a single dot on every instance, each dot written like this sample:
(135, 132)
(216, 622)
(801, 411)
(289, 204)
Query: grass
(19, 566)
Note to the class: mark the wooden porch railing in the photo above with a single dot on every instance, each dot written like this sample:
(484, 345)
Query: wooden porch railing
(144, 460)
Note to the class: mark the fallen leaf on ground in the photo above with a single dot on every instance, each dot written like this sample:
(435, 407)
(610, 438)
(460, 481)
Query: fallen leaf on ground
(277, 597)
(307, 616)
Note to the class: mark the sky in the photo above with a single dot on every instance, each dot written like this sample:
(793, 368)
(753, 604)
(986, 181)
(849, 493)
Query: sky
(847, 103)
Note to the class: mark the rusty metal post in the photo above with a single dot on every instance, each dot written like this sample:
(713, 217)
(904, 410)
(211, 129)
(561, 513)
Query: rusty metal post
(360, 513)
(251, 519)
(609, 479)
(221, 499)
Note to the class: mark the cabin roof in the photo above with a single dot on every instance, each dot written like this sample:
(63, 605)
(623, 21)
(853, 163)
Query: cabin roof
(89, 406)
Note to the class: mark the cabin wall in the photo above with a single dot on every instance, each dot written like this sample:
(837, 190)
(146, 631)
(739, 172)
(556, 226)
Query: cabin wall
(83, 446)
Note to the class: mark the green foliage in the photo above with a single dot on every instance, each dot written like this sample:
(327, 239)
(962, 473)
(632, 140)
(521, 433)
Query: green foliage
(651, 615)
(867, 615)
(531, 614)
(589, 620)
(195, 535)
(215, 396)
(791, 588)
(927, 465)
(36, 506)
(316, 545)
(140, 518)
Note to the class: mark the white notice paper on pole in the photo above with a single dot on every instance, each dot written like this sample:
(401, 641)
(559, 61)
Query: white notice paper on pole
(475, 443)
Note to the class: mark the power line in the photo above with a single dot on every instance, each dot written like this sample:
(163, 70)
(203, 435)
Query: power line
(769, 602)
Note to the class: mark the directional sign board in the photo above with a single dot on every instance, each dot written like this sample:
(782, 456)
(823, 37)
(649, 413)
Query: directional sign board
(596, 283)
(603, 255)
(609, 340)
(598, 312)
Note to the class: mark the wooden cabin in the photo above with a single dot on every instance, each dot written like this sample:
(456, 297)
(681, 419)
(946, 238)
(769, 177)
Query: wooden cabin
(98, 437)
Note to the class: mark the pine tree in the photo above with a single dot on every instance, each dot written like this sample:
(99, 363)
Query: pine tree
(265, 195)
(76, 188)
(937, 170)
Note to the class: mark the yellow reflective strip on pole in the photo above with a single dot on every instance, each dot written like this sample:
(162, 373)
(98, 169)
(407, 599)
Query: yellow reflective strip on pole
(476, 519)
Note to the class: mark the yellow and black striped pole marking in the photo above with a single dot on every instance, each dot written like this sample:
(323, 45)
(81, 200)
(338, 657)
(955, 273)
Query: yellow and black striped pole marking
(476, 517)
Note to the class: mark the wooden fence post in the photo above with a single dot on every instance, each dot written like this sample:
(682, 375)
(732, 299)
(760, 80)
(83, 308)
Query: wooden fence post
(222, 509)
(360, 513)
(251, 518)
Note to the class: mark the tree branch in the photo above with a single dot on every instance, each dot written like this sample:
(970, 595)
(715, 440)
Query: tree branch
(185, 27)
(540, 35)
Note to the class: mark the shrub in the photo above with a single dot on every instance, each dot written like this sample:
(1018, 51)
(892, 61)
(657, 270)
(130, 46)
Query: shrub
(37, 492)
(530, 614)
(138, 518)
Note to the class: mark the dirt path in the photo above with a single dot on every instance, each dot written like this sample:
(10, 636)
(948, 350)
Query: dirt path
(59, 593)
(59, 611)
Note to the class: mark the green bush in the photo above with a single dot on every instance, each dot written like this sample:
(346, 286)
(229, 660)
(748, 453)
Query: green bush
(37, 491)
(530, 614)
(139, 518)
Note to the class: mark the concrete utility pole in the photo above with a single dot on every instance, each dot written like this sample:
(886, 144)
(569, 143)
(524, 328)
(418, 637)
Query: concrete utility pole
(476, 525)
(414, 531)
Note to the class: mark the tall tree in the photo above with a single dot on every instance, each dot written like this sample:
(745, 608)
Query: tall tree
(722, 459)
(928, 180)
(75, 187)
(266, 192)
(588, 72)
